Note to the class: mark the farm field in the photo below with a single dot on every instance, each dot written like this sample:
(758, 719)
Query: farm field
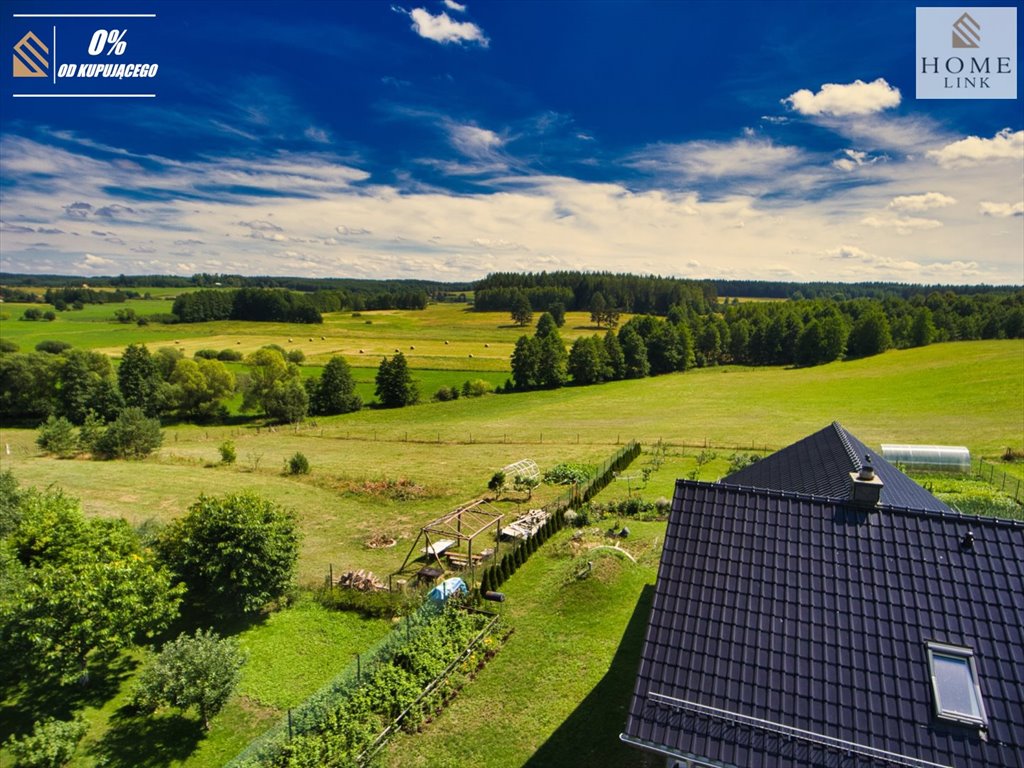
(555, 694)
(445, 336)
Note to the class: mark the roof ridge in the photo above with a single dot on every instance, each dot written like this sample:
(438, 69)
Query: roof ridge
(1002, 522)
(845, 440)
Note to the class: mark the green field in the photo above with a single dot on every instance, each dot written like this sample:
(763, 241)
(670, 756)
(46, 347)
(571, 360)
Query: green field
(442, 337)
(556, 692)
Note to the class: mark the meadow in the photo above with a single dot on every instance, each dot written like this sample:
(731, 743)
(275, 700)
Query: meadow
(556, 693)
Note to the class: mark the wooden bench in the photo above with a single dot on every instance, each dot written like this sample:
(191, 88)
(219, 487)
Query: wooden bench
(461, 559)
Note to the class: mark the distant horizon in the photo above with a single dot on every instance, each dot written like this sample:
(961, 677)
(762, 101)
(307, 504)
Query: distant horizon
(437, 140)
(256, 276)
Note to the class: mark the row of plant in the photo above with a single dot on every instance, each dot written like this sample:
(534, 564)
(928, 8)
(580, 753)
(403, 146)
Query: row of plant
(376, 604)
(587, 482)
(406, 678)
(584, 491)
(496, 575)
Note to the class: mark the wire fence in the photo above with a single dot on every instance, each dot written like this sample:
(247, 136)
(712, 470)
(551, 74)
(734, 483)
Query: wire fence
(315, 710)
(997, 478)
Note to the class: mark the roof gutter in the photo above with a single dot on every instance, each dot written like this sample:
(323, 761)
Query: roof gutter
(684, 760)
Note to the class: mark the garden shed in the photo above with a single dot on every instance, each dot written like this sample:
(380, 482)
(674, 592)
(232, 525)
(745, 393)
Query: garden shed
(947, 458)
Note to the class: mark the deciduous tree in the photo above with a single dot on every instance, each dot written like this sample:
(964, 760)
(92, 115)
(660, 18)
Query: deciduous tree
(235, 553)
(80, 588)
(200, 671)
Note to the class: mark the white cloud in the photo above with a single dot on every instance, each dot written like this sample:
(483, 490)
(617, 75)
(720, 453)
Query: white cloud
(443, 29)
(903, 225)
(856, 263)
(1001, 210)
(318, 135)
(918, 203)
(472, 140)
(694, 223)
(453, 6)
(91, 261)
(497, 245)
(261, 226)
(856, 98)
(853, 159)
(1005, 145)
(740, 157)
(848, 252)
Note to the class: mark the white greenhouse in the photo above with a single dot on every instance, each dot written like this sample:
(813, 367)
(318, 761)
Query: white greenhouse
(949, 458)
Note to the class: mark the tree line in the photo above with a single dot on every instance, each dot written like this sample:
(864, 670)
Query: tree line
(284, 306)
(801, 333)
(575, 291)
(89, 405)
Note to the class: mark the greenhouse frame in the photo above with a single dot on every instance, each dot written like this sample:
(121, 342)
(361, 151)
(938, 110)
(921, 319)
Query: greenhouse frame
(944, 458)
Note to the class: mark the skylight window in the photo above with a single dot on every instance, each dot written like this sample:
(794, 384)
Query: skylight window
(955, 684)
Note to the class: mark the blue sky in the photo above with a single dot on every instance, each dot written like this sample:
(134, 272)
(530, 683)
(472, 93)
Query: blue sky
(444, 140)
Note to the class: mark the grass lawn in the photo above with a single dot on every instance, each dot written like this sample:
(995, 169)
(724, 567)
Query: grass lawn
(558, 691)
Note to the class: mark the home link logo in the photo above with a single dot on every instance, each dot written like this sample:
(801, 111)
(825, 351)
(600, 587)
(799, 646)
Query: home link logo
(966, 53)
(966, 32)
(28, 60)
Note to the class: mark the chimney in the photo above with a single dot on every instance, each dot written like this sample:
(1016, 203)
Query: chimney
(866, 486)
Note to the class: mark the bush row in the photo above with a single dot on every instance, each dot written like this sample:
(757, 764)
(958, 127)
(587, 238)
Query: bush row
(496, 575)
(375, 604)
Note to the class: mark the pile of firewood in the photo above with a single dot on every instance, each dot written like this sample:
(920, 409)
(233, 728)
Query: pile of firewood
(363, 581)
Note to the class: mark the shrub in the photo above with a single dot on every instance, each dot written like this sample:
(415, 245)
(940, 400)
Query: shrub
(444, 394)
(206, 354)
(738, 461)
(296, 356)
(497, 481)
(32, 314)
(165, 318)
(91, 431)
(57, 436)
(6, 345)
(125, 315)
(568, 473)
(385, 605)
(476, 388)
(235, 554)
(227, 452)
(298, 464)
(229, 355)
(49, 315)
(52, 347)
(50, 745)
(132, 435)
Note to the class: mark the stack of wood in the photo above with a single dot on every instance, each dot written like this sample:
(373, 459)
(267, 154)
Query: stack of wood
(363, 581)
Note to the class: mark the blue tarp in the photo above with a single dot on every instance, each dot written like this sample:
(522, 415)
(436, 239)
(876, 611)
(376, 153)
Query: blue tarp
(446, 589)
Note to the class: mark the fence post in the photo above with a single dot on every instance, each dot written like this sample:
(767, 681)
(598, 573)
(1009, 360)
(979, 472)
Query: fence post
(289, 723)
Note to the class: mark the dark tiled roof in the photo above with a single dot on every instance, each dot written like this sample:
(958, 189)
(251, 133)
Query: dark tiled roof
(820, 465)
(807, 614)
